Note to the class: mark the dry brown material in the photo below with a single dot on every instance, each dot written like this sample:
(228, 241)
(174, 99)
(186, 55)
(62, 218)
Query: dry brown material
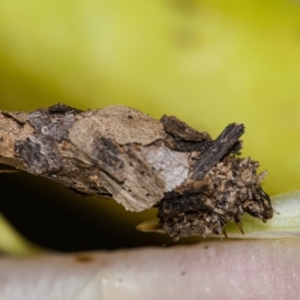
(197, 183)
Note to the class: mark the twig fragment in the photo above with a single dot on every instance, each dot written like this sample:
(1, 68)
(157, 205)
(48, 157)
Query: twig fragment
(219, 148)
(197, 183)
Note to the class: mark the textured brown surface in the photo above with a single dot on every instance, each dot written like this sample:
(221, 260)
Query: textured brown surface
(198, 184)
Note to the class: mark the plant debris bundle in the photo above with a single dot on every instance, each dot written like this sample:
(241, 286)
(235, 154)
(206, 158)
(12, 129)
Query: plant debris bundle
(198, 184)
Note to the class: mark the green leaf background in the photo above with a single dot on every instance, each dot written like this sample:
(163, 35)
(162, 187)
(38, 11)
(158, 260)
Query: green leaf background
(207, 62)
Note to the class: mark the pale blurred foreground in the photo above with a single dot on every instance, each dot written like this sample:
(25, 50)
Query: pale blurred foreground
(210, 270)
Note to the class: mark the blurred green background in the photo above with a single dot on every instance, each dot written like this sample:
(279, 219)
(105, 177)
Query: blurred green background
(207, 62)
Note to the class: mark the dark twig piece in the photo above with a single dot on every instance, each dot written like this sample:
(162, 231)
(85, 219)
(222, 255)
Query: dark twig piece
(198, 184)
(220, 147)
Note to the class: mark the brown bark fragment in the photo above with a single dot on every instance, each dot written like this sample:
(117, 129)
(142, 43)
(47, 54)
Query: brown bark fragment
(40, 154)
(198, 184)
(180, 129)
(125, 125)
(143, 187)
(107, 154)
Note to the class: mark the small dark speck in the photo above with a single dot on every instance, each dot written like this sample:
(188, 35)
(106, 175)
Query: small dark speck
(147, 194)
(206, 247)
(130, 117)
(182, 273)
(81, 258)
(142, 172)
(1, 138)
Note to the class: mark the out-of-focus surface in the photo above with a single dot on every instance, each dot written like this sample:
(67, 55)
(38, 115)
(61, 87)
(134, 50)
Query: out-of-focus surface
(229, 270)
(208, 63)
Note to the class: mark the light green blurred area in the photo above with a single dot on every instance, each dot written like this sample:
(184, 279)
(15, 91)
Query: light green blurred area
(207, 62)
(12, 242)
